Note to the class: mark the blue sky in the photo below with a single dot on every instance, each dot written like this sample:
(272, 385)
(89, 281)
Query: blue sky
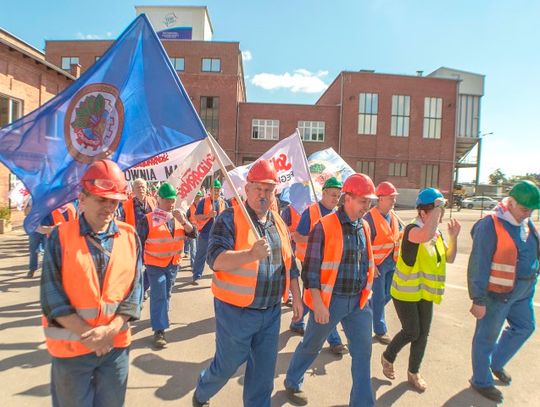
(312, 41)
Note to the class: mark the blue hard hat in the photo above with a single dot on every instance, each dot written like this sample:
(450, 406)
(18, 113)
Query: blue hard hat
(428, 196)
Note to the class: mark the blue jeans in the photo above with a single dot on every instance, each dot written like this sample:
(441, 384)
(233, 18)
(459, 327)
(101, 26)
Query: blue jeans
(161, 280)
(333, 339)
(89, 380)
(381, 294)
(200, 257)
(191, 248)
(357, 326)
(35, 241)
(243, 334)
(490, 350)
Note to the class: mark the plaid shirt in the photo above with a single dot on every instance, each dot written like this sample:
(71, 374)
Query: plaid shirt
(271, 273)
(352, 270)
(54, 301)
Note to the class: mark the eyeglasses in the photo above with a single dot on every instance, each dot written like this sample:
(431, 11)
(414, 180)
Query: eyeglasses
(107, 185)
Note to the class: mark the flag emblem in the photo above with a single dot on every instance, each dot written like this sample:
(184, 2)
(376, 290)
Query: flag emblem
(93, 122)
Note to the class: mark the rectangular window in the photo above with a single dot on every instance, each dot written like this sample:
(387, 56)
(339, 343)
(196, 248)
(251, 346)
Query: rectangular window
(211, 65)
(68, 61)
(366, 167)
(248, 160)
(397, 170)
(262, 129)
(178, 64)
(311, 131)
(210, 114)
(429, 176)
(367, 113)
(432, 117)
(400, 115)
(10, 110)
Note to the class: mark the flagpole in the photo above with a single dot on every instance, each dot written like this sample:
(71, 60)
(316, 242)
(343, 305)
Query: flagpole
(309, 173)
(210, 141)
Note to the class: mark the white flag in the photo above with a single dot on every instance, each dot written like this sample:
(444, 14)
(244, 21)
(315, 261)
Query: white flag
(190, 173)
(289, 161)
(19, 195)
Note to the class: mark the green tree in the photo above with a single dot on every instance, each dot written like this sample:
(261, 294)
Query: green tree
(497, 177)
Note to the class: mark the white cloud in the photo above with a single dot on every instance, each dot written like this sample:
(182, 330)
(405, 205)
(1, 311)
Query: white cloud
(301, 80)
(247, 56)
(82, 36)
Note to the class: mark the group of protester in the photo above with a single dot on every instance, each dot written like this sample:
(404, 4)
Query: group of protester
(340, 261)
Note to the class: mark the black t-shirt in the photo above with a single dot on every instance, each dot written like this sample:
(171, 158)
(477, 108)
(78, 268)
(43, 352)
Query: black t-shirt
(409, 250)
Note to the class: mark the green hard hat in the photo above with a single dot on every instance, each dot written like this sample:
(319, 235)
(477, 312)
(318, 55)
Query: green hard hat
(167, 191)
(217, 184)
(199, 193)
(332, 182)
(526, 194)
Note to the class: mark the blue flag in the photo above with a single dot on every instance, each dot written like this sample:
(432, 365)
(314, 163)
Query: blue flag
(128, 107)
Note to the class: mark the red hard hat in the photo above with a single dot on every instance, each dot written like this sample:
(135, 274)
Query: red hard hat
(359, 185)
(262, 171)
(386, 189)
(105, 178)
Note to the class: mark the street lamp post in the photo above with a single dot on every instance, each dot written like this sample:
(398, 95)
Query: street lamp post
(478, 162)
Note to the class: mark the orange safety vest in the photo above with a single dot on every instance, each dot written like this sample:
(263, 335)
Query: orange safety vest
(129, 209)
(58, 216)
(387, 237)
(161, 247)
(237, 287)
(502, 277)
(295, 219)
(208, 208)
(333, 250)
(96, 305)
(314, 216)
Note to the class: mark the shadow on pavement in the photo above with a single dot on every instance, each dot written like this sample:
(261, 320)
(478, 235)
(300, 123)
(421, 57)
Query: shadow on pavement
(393, 395)
(43, 390)
(468, 397)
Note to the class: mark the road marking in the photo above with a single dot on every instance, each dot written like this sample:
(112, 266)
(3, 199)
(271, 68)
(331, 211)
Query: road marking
(459, 287)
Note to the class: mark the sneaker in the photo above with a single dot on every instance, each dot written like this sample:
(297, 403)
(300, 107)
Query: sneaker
(338, 349)
(417, 381)
(502, 375)
(384, 339)
(194, 282)
(146, 295)
(388, 368)
(30, 274)
(197, 403)
(297, 330)
(159, 339)
(491, 393)
(296, 397)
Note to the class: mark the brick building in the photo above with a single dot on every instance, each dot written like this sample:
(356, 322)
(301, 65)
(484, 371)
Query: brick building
(413, 130)
(27, 80)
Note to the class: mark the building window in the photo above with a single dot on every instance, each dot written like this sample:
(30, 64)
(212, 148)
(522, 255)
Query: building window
(248, 160)
(397, 170)
(68, 61)
(367, 113)
(400, 115)
(10, 110)
(311, 131)
(366, 167)
(262, 129)
(432, 117)
(211, 65)
(429, 177)
(468, 116)
(210, 114)
(178, 64)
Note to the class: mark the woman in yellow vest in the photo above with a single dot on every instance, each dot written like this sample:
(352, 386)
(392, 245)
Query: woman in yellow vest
(418, 282)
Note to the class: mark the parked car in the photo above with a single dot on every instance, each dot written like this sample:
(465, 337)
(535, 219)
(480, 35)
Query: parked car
(478, 202)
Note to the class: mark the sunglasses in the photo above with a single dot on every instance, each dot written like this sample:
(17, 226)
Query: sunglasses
(107, 185)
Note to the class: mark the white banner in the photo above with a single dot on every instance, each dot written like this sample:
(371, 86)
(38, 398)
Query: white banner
(289, 161)
(160, 167)
(187, 178)
(19, 195)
